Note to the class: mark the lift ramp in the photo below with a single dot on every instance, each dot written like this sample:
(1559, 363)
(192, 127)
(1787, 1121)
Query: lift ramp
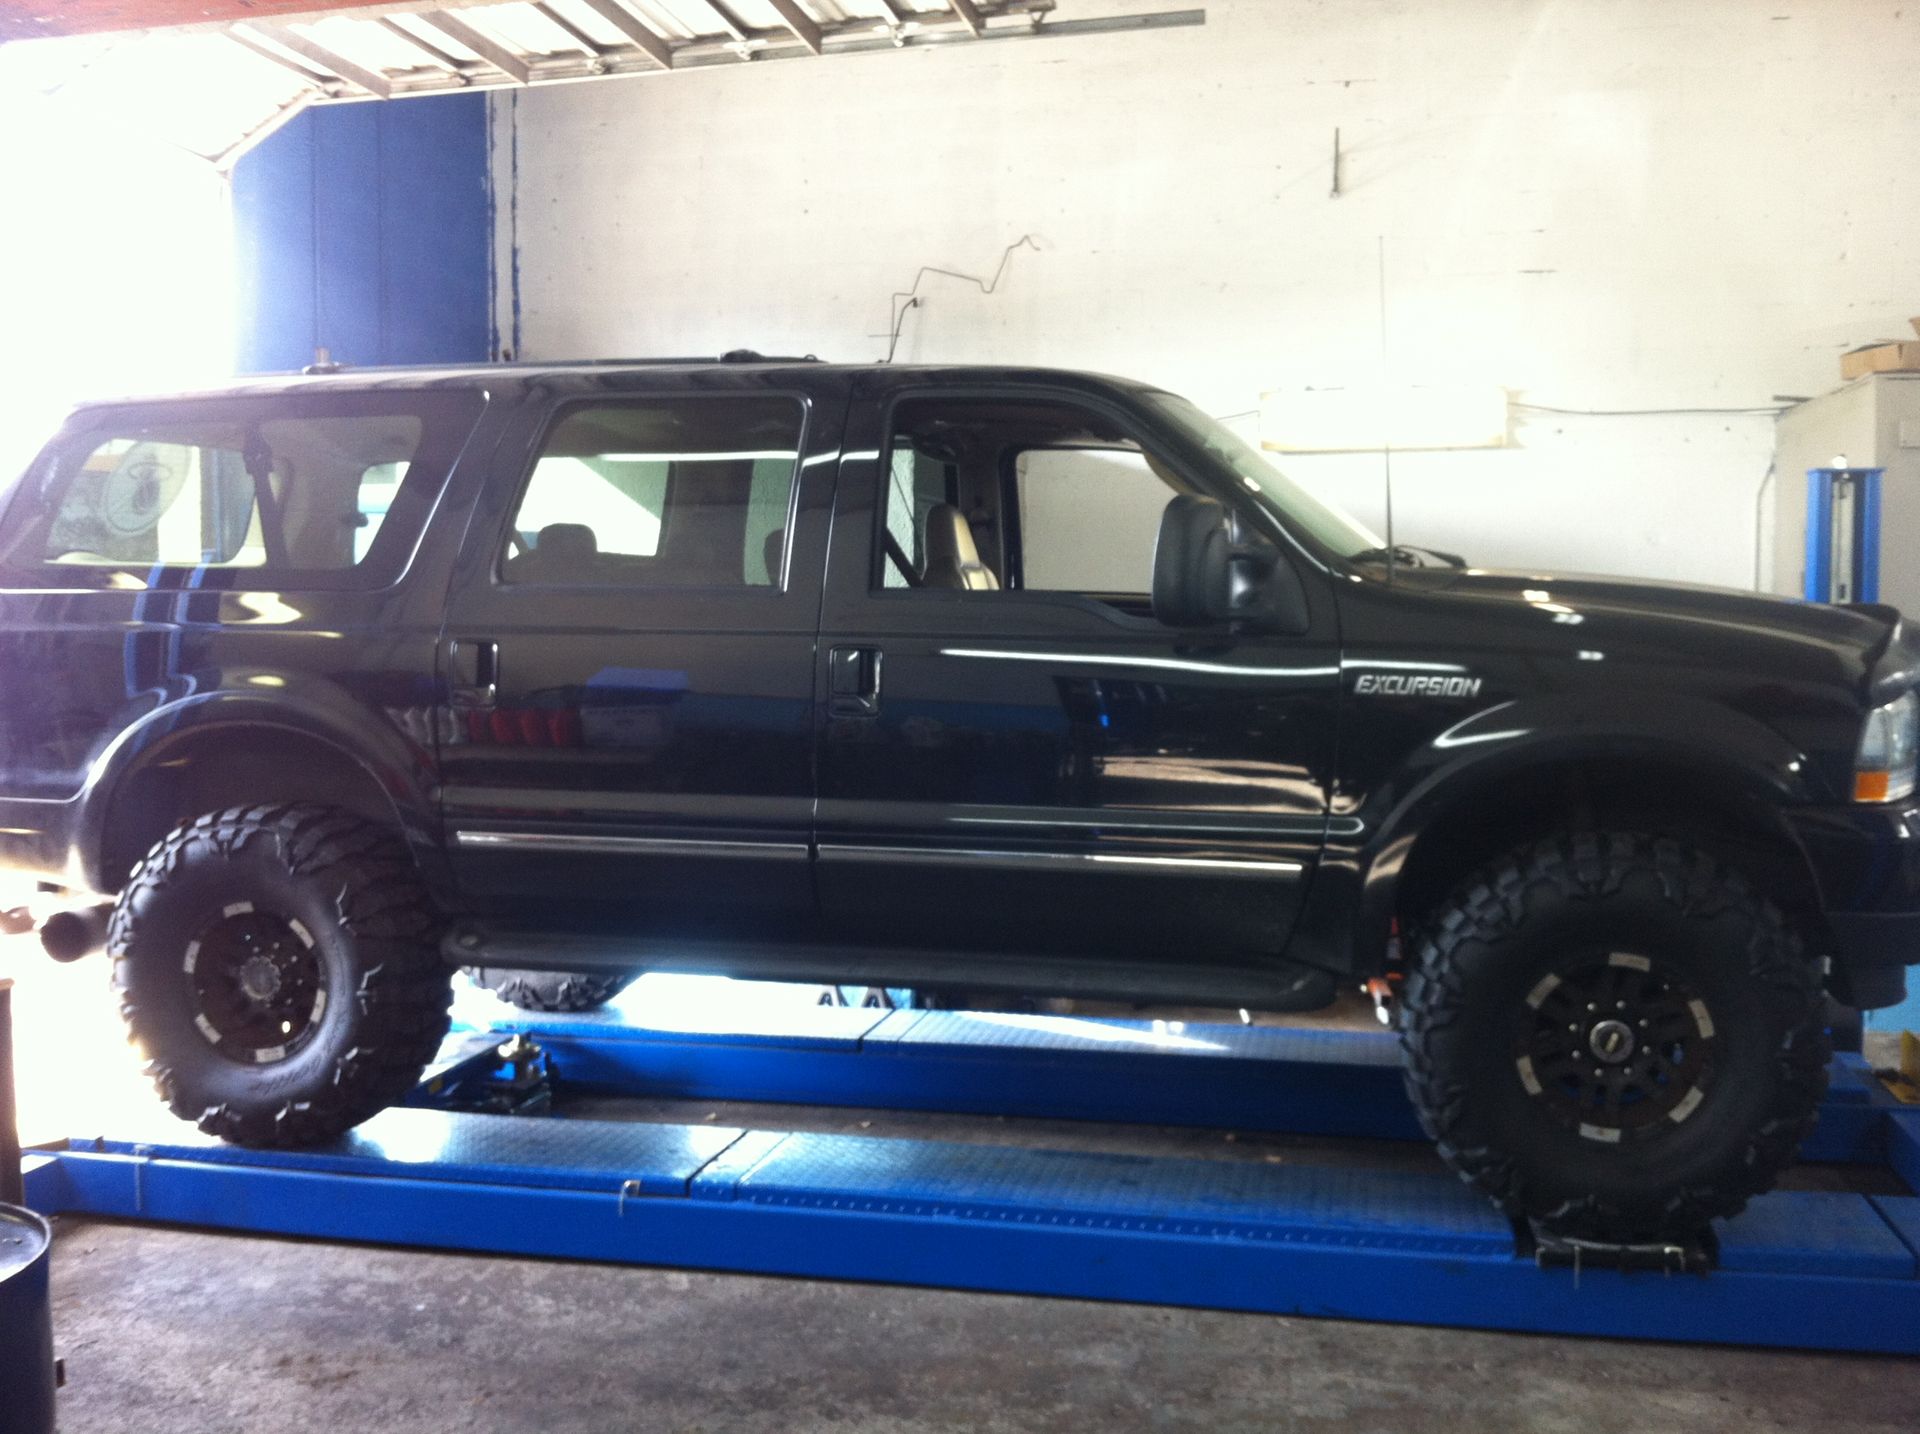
(1814, 1269)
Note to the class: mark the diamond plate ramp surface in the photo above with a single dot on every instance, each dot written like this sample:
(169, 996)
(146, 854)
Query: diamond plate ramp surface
(485, 1149)
(1814, 1232)
(1386, 1210)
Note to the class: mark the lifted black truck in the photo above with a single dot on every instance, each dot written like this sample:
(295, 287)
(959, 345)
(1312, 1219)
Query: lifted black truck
(996, 679)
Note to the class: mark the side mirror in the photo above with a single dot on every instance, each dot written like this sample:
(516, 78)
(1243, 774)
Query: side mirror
(1211, 570)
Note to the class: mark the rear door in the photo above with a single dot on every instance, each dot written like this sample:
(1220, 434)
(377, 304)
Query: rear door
(629, 657)
(1028, 762)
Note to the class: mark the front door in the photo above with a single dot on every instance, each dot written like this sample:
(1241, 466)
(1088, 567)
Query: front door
(1016, 757)
(628, 658)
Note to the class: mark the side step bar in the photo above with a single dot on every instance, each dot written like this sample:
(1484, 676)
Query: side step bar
(1277, 987)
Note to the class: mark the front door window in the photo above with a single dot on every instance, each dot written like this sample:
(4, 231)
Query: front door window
(991, 496)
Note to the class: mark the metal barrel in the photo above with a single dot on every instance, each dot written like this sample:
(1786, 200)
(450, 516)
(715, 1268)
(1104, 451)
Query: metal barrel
(26, 1324)
(26, 1307)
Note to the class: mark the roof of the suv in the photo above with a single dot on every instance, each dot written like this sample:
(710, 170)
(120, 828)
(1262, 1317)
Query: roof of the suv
(320, 378)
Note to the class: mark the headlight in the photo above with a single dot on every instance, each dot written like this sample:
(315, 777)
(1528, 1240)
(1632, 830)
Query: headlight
(1883, 771)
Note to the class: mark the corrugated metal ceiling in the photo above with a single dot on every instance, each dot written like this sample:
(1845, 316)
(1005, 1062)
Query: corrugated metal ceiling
(217, 83)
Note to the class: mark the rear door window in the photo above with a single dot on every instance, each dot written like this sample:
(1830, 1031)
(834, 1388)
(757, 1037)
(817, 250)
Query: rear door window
(660, 492)
(298, 492)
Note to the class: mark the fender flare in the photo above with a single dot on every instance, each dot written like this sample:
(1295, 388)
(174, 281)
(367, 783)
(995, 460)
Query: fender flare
(303, 706)
(1738, 755)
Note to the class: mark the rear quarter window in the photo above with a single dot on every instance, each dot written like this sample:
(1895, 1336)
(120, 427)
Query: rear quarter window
(299, 491)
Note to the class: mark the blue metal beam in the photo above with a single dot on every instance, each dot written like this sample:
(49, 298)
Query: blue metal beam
(1817, 575)
(1805, 1270)
(1861, 579)
(1799, 1269)
(1866, 536)
(1304, 1082)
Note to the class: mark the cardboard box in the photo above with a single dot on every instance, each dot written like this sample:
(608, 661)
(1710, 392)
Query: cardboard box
(1899, 356)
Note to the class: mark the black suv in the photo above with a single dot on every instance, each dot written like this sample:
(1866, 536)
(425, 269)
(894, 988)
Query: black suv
(987, 679)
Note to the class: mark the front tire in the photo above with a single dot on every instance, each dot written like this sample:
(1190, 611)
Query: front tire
(1614, 1036)
(279, 968)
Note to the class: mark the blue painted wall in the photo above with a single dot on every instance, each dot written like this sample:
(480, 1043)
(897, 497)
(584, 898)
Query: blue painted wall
(364, 229)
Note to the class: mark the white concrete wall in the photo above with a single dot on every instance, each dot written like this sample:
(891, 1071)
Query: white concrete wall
(1598, 204)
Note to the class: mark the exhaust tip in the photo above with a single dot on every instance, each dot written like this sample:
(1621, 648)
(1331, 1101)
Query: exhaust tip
(70, 935)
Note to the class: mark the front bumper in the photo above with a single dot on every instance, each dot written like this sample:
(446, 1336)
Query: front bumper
(1866, 862)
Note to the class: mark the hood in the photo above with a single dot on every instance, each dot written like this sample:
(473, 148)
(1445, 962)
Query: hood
(1684, 621)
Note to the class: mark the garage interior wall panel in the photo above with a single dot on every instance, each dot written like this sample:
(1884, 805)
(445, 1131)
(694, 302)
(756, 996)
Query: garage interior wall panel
(363, 229)
(1631, 205)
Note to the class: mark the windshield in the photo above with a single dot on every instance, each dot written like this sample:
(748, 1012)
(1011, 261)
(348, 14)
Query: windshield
(1332, 528)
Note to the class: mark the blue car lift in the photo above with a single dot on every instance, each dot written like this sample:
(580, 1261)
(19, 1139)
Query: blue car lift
(1806, 1269)
(1843, 534)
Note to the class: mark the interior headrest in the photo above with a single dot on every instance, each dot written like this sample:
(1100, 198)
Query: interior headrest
(950, 539)
(565, 543)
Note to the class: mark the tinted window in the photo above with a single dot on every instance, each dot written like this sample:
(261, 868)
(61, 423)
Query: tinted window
(915, 485)
(1089, 520)
(986, 495)
(689, 492)
(286, 493)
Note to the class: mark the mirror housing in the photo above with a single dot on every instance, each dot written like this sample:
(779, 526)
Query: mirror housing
(1210, 569)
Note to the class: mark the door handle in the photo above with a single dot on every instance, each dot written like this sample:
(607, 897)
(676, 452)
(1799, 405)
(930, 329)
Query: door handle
(473, 672)
(853, 681)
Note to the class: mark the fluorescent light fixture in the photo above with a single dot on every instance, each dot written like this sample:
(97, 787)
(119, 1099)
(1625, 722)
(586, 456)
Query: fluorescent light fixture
(1365, 418)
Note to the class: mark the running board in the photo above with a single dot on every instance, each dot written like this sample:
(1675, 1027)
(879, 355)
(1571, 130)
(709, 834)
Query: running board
(1279, 986)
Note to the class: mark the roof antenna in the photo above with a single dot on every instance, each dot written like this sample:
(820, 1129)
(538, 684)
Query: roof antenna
(1386, 398)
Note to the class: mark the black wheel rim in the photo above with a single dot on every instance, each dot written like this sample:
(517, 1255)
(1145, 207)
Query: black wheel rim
(1615, 1047)
(258, 989)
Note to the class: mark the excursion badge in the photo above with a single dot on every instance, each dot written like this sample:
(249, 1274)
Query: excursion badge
(1414, 684)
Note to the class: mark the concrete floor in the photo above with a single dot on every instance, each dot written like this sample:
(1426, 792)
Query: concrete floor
(181, 1333)
(202, 1333)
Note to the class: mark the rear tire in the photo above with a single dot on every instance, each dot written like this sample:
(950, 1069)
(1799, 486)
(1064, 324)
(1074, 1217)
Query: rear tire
(1614, 1036)
(550, 990)
(279, 967)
